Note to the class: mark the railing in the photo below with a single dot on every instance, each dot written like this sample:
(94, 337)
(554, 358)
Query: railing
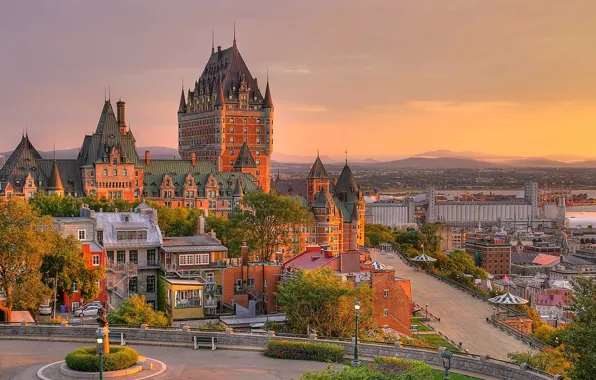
(192, 302)
(119, 267)
(527, 338)
(150, 264)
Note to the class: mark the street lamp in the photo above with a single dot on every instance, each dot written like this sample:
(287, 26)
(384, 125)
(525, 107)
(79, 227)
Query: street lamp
(446, 355)
(521, 329)
(100, 337)
(356, 362)
(494, 311)
(426, 311)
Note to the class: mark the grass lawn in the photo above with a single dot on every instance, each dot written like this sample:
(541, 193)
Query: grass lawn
(452, 376)
(421, 327)
(437, 341)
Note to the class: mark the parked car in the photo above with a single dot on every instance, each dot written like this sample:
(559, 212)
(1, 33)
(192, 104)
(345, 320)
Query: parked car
(45, 310)
(90, 304)
(91, 311)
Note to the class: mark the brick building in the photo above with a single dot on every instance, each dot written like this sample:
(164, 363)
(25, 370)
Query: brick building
(492, 254)
(338, 208)
(85, 230)
(225, 119)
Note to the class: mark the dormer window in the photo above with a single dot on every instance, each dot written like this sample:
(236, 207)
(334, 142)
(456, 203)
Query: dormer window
(245, 120)
(29, 183)
(232, 120)
(114, 162)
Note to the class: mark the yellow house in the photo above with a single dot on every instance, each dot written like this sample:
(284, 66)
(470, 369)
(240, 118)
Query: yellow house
(184, 299)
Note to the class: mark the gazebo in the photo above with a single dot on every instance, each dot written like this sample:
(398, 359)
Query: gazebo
(507, 299)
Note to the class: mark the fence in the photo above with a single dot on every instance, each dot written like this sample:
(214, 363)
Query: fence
(473, 363)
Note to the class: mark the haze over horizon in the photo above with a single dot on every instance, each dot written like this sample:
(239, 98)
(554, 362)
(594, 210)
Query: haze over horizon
(502, 78)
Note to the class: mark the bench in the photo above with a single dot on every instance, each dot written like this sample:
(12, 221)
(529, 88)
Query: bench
(207, 341)
(117, 338)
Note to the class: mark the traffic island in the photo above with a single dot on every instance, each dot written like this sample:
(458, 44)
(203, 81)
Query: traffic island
(144, 368)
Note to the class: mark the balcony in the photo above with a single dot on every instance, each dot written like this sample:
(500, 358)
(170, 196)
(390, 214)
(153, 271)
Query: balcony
(188, 303)
(149, 264)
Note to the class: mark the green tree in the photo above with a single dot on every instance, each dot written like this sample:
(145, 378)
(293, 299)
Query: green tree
(580, 336)
(230, 231)
(430, 236)
(179, 221)
(55, 206)
(409, 239)
(269, 220)
(375, 234)
(319, 300)
(134, 311)
(65, 266)
(23, 245)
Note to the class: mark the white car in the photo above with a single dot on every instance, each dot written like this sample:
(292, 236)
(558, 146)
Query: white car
(91, 311)
(45, 310)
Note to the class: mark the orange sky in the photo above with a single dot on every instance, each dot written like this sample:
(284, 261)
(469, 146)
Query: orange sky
(379, 78)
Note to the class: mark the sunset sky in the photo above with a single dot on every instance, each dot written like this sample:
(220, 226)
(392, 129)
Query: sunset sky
(381, 78)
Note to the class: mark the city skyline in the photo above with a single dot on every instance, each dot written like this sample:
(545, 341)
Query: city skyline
(441, 76)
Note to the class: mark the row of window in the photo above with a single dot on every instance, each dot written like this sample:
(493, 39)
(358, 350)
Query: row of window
(131, 235)
(133, 256)
(114, 184)
(195, 259)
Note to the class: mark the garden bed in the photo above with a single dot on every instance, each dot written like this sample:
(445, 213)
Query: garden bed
(86, 359)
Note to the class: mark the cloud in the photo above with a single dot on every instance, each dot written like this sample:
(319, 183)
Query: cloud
(431, 106)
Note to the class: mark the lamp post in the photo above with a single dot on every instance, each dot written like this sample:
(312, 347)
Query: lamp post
(494, 311)
(100, 351)
(356, 362)
(446, 355)
(426, 311)
(521, 329)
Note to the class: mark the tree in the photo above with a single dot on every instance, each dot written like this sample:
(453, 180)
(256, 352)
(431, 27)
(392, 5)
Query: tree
(375, 234)
(430, 236)
(411, 238)
(54, 205)
(23, 245)
(179, 221)
(230, 231)
(134, 311)
(319, 300)
(65, 266)
(269, 220)
(551, 360)
(580, 336)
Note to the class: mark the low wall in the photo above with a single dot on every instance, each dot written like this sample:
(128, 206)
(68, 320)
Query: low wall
(478, 365)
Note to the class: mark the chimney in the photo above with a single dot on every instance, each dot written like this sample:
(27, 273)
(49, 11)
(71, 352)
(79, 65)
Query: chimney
(193, 159)
(201, 225)
(213, 234)
(121, 107)
(147, 158)
(244, 254)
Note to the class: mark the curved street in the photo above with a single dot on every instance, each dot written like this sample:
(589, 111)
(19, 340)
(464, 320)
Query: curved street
(463, 318)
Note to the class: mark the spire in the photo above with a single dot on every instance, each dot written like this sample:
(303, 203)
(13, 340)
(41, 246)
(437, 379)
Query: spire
(182, 107)
(234, 35)
(55, 183)
(219, 99)
(245, 158)
(346, 157)
(238, 192)
(318, 169)
(212, 42)
(268, 100)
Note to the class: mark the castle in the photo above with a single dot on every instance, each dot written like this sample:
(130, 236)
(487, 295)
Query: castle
(225, 142)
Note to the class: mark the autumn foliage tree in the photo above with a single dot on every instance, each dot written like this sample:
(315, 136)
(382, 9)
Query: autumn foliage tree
(319, 300)
(135, 311)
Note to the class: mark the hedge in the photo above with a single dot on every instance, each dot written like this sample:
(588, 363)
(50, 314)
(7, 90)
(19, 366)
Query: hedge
(86, 359)
(383, 368)
(321, 352)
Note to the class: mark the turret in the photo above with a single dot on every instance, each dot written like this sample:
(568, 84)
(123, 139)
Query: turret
(55, 182)
(182, 107)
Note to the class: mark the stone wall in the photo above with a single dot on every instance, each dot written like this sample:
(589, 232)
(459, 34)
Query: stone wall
(478, 365)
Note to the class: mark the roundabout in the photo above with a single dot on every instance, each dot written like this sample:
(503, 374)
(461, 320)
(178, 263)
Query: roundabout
(146, 368)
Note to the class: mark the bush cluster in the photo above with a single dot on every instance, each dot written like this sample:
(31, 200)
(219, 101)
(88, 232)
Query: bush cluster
(86, 359)
(321, 352)
(383, 368)
(211, 326)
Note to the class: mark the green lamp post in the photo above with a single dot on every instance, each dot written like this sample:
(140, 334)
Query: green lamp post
(356, 362)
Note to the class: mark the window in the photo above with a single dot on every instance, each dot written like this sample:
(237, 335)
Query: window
(202, 259)
(151, 257)
(258, 130)
(95, 260)
(245, 121)
(266, 283)
(82, 234)
(238, 283)
(232, 120)
(185, 260)
(231, 162)
(386, 293)
(251, 282)
(121, 257)
(258, 140)
(75, 305)
(245, 131)
(150, 284)
(132, 285)
(133, 257)
(115, 172)
(385, 312)
(258, 162)
(105, 172)
(258, 172)
(75, 287)
(258, 152)
(124, 172)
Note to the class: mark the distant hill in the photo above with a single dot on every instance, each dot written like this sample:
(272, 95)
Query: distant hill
(157, 152)
(435, 163)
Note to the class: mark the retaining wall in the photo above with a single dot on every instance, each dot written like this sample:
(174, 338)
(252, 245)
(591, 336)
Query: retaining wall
(478, 365)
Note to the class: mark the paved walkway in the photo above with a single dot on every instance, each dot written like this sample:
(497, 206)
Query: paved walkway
(20, 360)
(463, 318)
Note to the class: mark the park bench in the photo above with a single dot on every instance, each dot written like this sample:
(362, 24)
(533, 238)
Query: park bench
(206, 341)
(117, 338)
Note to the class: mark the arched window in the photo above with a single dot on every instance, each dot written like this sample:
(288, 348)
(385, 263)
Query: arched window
(115, 172)
(124, 172)
(105, 172)
(114, 162)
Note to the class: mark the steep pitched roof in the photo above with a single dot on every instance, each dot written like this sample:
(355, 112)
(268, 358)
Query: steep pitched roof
(245, 158)
(70, 174)
(107, 135)
(346, 187)
(22, 161)
(321, 201)
(268, 100)
(318, 170)
(238, 189)
(219, 98)
(55, 183)
(182, 107)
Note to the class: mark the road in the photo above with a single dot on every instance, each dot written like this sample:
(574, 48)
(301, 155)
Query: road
(20, 360)
(463, 318)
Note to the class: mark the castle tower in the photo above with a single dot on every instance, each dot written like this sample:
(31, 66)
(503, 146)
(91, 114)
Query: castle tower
(55, 186)
(317, 180)
(224, 111)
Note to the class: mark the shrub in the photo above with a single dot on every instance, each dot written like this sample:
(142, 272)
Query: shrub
(321, 352)
(383, 368)
(211, 326)
(86, 359)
